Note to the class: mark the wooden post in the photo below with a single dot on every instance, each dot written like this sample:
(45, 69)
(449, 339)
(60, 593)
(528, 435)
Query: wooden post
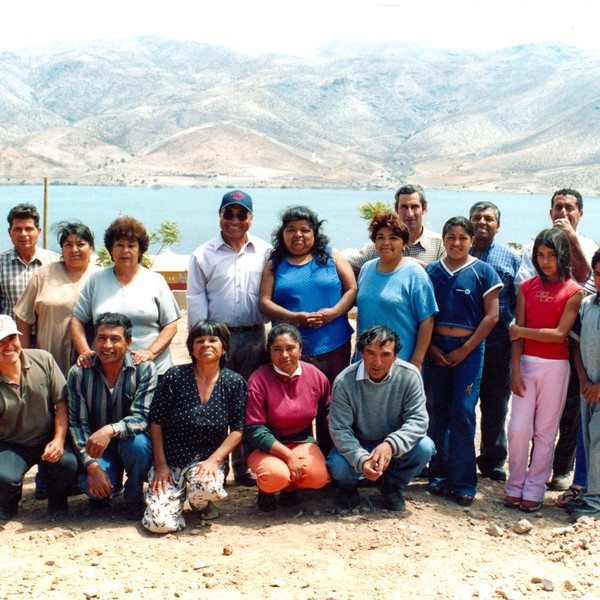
(45, 212)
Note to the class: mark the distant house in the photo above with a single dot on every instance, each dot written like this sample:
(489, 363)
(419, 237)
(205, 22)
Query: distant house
(173, 267)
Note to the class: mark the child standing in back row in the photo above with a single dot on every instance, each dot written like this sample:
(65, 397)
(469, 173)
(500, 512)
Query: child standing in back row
(586, 355)
(466, 291)
(547, 306)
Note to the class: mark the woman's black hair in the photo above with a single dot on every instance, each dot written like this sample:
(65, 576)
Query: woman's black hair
(557, 240)
(64, 229)
(209, 327)
(300, 213)
(283, 329)
(458, 222)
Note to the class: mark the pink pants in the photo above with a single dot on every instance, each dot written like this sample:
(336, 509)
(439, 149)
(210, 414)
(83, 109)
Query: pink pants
(272, 473)
(535, 417)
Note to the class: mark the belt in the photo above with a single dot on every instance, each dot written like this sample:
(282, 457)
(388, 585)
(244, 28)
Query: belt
(244, 328)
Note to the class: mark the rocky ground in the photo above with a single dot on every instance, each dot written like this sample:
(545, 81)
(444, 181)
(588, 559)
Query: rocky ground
(434, 549)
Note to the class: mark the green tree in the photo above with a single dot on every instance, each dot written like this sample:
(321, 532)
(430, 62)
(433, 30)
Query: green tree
(368, 209)
(166, 234)
(103, 258)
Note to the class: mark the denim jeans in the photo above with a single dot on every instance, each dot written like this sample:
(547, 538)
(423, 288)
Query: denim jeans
(452, 427)
(16, 460)
(132, 455)
(399, 473)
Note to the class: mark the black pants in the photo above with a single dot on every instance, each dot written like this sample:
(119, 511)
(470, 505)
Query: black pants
(494, 395)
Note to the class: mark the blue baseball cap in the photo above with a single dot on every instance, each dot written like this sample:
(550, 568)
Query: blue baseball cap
(237, 197)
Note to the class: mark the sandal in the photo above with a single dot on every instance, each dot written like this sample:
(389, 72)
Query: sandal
(530, 506)
(569, 495)
(512, 501)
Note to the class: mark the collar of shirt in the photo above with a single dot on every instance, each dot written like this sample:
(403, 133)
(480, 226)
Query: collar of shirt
(296, 373)
(362, 375)
(36, 256)
(484, 253)
(127, 362)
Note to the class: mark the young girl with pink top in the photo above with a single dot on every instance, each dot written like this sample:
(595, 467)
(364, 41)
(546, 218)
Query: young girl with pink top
(547, 306)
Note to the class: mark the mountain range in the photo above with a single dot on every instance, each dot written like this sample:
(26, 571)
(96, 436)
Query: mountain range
(156, 111)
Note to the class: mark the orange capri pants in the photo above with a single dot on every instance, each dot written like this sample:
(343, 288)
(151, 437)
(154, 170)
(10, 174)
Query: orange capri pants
(272, 473)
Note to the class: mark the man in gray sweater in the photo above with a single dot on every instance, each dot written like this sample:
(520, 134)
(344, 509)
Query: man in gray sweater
(378, 421)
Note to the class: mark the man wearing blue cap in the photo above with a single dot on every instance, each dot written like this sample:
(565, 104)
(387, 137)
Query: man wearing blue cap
(223, 284)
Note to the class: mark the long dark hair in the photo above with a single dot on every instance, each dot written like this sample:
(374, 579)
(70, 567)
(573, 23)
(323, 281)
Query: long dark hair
(300, 213)
(557, 240)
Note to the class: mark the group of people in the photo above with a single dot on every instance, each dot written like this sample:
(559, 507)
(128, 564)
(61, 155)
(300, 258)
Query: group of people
(88, 390)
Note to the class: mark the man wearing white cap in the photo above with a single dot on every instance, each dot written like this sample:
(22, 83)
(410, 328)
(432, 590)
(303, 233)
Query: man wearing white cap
(223, 284)
(33, 422)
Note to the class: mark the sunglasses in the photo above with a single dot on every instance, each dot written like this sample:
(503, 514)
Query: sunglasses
(229, 215)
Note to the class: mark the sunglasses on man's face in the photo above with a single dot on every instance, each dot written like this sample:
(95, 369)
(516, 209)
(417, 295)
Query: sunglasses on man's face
(229, 214)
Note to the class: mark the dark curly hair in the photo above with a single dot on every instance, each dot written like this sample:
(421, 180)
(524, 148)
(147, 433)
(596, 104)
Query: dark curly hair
(557, 240)
(300, 213)
(130, 229)
(390, 220)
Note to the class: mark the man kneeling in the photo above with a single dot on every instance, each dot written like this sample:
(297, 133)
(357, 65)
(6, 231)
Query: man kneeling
(108, 414)
(378, 421)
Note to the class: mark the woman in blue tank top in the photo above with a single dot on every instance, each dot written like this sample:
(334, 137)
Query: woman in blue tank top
(312, 286)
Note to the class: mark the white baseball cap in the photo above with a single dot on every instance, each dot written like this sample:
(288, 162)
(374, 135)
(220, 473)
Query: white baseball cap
(7, 327)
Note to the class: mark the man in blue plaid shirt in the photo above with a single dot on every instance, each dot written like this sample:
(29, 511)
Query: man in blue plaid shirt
(108, 417)
(494, 393)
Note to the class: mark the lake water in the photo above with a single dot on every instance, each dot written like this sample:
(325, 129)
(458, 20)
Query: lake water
(195, 210)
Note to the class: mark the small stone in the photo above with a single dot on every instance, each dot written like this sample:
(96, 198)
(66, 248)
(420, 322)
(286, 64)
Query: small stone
(547, 585)
(536, 580)
(495, 530)
(522, 526)
(49, 563)
(227, 550)
(208, 572)
(90, 593)
(277, 583)
(571, 585)
(332, 535)
(199, 566)
(316, 513)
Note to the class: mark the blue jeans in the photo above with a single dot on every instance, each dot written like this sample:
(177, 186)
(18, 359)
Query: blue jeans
(134, 456)
(16, 460)
(452, 427)
(399, 473)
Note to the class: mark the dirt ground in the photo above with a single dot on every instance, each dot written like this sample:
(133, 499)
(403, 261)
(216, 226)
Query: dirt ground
(434, 549)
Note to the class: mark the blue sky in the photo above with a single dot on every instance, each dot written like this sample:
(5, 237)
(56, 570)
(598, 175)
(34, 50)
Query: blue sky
(297, 27)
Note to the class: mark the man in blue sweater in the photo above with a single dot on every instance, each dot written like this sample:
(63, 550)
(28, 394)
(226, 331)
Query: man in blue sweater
(378, 421)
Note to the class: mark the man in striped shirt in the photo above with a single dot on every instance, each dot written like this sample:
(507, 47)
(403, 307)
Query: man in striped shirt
(19, 263)
(108, 416)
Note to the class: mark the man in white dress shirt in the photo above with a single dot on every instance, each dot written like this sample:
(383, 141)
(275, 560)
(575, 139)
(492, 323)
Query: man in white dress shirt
(223, 284)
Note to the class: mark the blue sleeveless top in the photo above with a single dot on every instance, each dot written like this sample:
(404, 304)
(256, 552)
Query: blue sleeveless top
(308, 288)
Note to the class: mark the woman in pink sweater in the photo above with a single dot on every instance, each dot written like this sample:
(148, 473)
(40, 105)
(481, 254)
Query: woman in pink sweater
(284, 398)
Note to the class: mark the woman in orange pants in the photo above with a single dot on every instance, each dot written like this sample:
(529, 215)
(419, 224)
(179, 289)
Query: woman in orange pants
(284, 398)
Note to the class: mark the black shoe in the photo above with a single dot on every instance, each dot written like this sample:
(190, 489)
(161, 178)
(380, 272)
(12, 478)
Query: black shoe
(348, 498)
(496, 474)
(392, 497)
(248, 479)
(96, 507)
(74, 490)
(57, 505)
(8, 511)
(41, 493)
(289, 498)
(436, 487)
(585, 510)
(134, 511)
(266, 502)
(462, 499)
